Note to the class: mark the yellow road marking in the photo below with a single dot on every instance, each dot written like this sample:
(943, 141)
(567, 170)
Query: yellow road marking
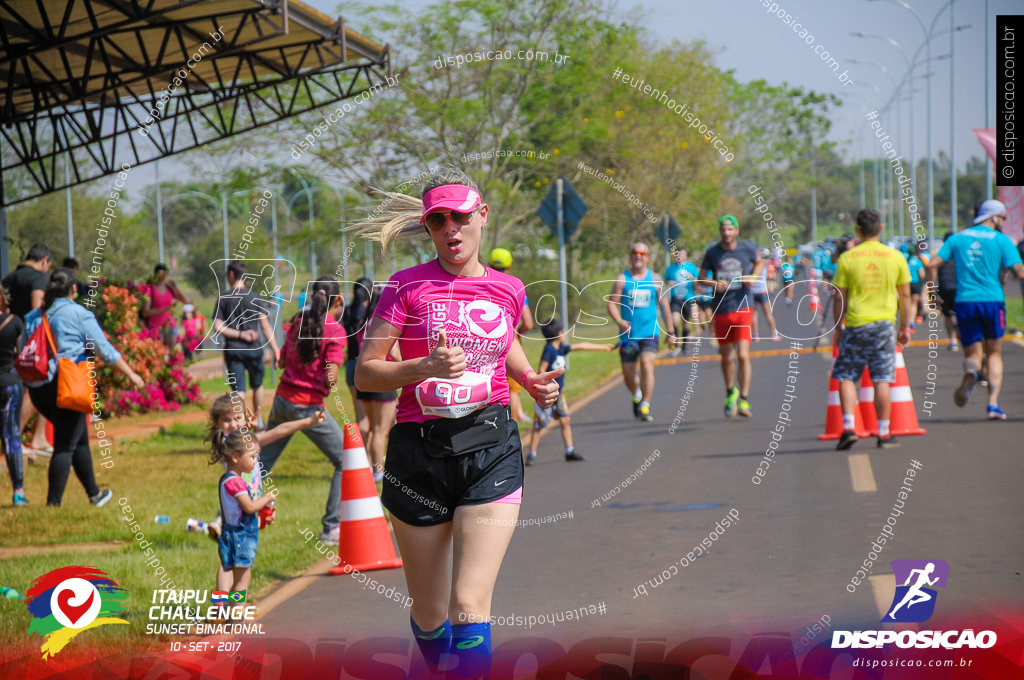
(860, 473)
(883, 587)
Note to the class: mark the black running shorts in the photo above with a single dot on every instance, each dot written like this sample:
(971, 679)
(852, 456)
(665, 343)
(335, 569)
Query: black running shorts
(423, 490)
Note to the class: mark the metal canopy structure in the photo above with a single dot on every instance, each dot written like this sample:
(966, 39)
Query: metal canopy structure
(89, 85)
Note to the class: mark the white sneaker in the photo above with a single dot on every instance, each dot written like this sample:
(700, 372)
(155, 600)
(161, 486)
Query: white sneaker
(331, 537)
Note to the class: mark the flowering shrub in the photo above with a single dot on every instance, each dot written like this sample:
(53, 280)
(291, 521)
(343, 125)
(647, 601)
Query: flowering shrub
(167, 384)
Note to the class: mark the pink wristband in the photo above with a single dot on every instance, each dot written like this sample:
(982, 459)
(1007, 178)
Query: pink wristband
(522, 378)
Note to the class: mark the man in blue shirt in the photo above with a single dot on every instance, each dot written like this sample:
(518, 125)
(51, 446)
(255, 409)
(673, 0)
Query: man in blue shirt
(680, 276)
(979, 255)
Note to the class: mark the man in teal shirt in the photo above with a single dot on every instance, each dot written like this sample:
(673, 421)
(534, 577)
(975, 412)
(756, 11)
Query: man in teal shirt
(682, 302)
(979, 255)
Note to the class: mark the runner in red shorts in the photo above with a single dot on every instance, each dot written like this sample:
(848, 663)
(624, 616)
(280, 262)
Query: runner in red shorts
(730, 267)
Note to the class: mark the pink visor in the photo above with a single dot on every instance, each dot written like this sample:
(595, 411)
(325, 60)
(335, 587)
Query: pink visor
(457, 197)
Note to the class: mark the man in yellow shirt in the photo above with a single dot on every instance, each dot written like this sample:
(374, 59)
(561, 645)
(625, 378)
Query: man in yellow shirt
(870, 280)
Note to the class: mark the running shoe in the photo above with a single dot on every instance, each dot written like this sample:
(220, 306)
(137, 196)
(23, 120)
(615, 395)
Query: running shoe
(846, 440)
(996, 413)
(889, 442)
(20, 499)
(331, 537)
(744, 407)
(954, 347)
(730, 402)
(964, 391)
(574, 455)
(645, 413)
(636, 409)
(100, 499)
(531, 458)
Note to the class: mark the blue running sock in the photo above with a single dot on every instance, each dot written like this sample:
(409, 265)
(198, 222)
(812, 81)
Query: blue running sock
(471, 645)
(433, 644)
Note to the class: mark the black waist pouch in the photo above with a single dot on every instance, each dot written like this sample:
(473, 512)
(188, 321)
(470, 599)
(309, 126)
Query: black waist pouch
(479, 430)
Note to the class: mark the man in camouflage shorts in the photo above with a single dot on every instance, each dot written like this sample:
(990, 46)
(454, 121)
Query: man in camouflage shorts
(870, 279)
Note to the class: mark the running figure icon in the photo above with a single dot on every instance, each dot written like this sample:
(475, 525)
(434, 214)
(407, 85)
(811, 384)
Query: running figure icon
(915, 594)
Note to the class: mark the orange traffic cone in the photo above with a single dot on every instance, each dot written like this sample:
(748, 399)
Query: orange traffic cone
(815, 300)
(866, 404)
(904, 414)
(364, 542)
(834, 411)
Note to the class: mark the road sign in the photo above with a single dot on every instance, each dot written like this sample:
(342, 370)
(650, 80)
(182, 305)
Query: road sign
(573, 208)
(669, 235)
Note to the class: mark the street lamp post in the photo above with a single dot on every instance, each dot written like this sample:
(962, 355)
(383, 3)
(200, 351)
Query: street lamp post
(312, 240)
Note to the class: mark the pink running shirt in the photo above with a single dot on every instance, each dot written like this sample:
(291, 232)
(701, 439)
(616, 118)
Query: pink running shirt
(479, 314)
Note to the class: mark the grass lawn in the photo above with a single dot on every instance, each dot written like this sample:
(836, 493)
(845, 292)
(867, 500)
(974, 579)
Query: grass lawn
(167, 474)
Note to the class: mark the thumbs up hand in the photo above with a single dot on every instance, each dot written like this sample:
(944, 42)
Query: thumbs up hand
(444, 362)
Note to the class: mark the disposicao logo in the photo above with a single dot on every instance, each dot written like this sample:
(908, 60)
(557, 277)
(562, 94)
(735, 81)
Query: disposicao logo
(914, 602)
(915, 575)
(69, 600)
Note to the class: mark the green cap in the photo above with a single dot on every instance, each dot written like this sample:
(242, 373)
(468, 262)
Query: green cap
(729, 218)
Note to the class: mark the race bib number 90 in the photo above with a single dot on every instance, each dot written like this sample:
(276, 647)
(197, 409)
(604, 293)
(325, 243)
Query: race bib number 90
(454, 398)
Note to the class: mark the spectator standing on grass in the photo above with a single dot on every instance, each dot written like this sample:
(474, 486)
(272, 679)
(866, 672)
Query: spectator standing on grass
(353, 320)
(239, 317)
(554, 357)
(313, 351)
(730, 268)
(193, 330)
(979, 254)
(27, 285)
(73, 326)
(240, 504)
(158, 309)
(380, 407)
(84, 288)
(633, 306)
(501, 261)
(12, 393)
(870, 280)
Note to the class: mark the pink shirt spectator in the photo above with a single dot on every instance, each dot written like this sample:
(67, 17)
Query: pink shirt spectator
(306, 384)
(479, 314)
(159, 299)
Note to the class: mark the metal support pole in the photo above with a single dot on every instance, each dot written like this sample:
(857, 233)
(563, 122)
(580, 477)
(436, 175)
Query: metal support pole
(952, 122)
(928, 134)
(71, 223)
(224, 216)
(562, 267)
(984, 63)
(814, 199)
(159, 213)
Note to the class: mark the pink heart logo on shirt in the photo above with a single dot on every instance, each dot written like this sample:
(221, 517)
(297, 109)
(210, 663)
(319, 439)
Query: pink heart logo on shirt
(486, 319)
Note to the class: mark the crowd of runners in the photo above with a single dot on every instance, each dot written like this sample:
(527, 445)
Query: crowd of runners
(435, 365)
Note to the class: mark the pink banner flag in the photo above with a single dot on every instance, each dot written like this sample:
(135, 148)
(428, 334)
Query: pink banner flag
(1012, 197)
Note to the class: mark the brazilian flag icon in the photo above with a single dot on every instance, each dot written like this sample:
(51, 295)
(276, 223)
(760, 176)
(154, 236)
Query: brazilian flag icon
(237, 596)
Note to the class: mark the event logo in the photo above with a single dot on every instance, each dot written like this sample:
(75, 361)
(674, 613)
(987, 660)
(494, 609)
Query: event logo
(913, 601)
(484, 319)
(69, 600)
